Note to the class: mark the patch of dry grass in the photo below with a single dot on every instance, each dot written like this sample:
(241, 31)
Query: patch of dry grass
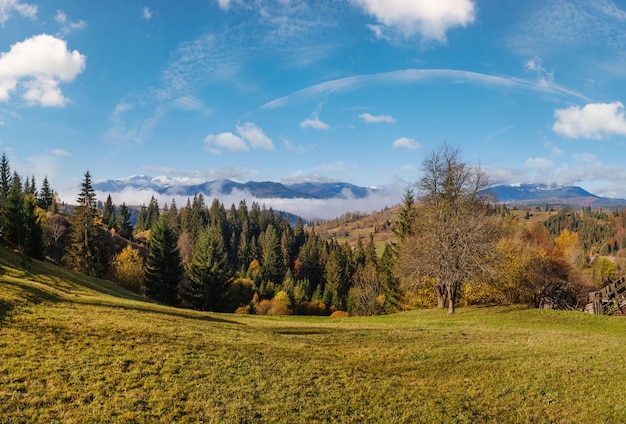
(74, 349)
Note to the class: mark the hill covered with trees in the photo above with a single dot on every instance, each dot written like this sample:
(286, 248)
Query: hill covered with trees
(251, 259)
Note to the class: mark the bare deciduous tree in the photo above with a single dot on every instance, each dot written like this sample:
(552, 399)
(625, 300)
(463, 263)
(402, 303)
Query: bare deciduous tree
(453, 235)
(364, 298)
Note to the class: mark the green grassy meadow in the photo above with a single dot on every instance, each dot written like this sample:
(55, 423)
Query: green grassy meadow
(77, 349)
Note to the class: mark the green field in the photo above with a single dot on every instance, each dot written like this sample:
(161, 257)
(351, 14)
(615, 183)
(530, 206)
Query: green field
(76, 349)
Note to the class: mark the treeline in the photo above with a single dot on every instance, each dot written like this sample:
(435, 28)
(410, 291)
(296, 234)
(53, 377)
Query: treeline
(23, 211)
(249, 259)
(253, 260)
(596, 229)
(453, 247)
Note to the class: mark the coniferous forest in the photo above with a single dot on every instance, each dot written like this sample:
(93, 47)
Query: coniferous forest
(252, 259)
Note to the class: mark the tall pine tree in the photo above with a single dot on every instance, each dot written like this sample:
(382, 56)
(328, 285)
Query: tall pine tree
(46, 197)
(33, 231)
(164, 270)
(108, 213)
(5, 178)
(13, 223)
(87, 252)
(208, 273)
(122, 225)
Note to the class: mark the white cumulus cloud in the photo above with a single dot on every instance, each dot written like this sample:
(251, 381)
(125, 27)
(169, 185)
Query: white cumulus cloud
(405, 143)
(430, 18)
(36, 66)
(7, 7)
(228, 141)
(146, 13)
(377, 119)
(594, 120)
(250, 136)
(255, 136)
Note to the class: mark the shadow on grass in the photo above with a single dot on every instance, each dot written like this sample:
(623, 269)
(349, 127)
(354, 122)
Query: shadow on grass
(23, 295)
(172, 311)
(36, 295)
(5, 310)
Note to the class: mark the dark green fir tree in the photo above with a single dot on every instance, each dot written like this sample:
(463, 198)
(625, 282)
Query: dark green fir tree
(164, 270)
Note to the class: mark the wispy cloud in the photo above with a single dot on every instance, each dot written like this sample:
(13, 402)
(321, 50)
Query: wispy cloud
(497, 133)
(189, 102)
(313, 121)
(559, 27)
(287, 32)
(60, 152)
(417, 76)
(7, 7)
(67, 26)
(293, 148)
(198, 176)
(225, 4)
(336, 167)
(555, 151)
(377, 119)
(140, 130)
(539, 163)
(146, 13)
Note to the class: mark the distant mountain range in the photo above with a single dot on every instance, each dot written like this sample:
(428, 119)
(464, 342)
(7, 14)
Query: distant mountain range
(261, 190)
(514, 194)
(542, 194)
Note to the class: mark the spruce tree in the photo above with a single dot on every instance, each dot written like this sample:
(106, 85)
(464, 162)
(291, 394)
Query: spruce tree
(208, 273)
(13, 225)
(33, 231)
(46, 196)
(164, 269)
(122, 224)
(406, 216)
(142, 218)
(174, 217)
(5, 186)
(31, 188)
(389, 281)
(272, 256)
(87, 252)
(108, 213)
(152, 214)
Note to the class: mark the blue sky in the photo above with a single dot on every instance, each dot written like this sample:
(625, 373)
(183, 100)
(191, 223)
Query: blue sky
(289, 90)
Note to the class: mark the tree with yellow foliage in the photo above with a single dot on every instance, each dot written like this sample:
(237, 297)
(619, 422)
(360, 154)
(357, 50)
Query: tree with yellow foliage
(128, 269)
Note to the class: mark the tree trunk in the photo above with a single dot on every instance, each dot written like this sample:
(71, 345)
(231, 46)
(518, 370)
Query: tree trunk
(450, 306)
(441, 295)
(451, 297)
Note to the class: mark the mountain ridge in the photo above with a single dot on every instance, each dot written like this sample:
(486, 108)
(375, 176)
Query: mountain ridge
(261, 189)
(540, 194)
(524, 195)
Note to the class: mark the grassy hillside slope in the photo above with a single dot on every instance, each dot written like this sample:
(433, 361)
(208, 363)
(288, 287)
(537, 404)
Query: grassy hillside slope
(76, 349)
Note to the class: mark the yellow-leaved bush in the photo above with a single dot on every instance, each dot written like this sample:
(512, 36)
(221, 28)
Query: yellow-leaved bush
(128, 269)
